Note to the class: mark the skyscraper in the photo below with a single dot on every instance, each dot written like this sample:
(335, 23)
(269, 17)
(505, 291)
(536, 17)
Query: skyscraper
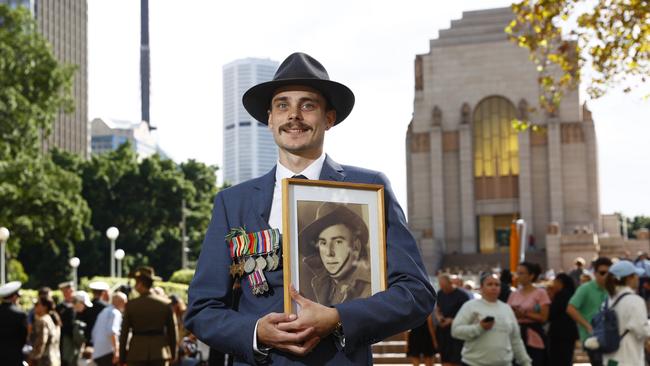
(64, 25)
(144, 62)
(248, 147)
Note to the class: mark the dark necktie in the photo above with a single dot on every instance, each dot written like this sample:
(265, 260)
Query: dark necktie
(300, 176)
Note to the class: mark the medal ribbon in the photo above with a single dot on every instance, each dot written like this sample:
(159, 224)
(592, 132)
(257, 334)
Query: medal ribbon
(261, 242)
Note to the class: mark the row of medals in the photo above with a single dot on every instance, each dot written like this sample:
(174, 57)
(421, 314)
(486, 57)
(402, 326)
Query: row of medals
(256, 263)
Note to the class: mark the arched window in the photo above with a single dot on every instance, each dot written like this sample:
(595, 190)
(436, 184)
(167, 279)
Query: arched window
(496, 149)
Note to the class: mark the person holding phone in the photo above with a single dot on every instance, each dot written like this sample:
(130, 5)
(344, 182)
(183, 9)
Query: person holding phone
(489, 328)
(531, 307)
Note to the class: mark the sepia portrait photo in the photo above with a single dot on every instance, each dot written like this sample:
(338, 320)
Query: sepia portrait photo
(333, 240)
(333, 246)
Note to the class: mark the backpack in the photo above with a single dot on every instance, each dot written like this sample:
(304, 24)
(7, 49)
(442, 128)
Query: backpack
(605, 327)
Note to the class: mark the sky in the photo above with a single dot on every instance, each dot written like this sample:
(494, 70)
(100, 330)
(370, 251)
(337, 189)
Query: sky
(369, 46)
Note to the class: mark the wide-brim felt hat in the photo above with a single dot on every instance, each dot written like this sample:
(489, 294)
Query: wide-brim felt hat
(299, 69)
(330, 214)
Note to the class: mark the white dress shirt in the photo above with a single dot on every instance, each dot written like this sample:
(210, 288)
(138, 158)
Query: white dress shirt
(311, 172)
(108, 324)
(275, 218)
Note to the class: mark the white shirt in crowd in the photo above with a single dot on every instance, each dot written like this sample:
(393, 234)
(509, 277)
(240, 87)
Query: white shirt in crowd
(108, 323)
(632, 316)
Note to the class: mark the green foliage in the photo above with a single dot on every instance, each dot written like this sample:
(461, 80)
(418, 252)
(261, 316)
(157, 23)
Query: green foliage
(609, 37)
(636, 223)
(27, 299)
(33, 85)
(43, 208)
(143, 199)
(182, 276)
(16, 272)
(41, 203)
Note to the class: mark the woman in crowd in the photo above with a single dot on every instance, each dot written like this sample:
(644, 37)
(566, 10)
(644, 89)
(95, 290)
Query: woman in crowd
(622, 282)
(531, 306)
(563, 332)
(489, 329)
(46, 334)
(506, 285)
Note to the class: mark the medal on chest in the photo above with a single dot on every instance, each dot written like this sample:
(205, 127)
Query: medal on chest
(252, 254)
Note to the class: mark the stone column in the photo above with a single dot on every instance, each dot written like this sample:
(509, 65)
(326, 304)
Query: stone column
(555, 172)
(592, 174)
(525, 179)
(437, 191)
(553, 247)
(468, 215)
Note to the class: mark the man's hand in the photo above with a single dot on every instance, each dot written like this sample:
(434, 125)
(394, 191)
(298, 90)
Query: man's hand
(297, 341)
(322, 319)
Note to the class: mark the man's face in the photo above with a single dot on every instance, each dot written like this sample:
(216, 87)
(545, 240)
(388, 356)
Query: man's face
(337, 249)
(298, 120)
(67, 293)
(79, 307)
(445, 285)
(600, 274)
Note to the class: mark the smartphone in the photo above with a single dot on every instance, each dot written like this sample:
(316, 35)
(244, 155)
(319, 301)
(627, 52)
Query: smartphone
(488, 319)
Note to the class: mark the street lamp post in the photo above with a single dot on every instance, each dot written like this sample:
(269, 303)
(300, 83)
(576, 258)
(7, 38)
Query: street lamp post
(4, 236)
(74, 263)
(112, 233)
(119, 255)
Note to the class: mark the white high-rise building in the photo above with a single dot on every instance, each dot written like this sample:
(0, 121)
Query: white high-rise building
(248, 147)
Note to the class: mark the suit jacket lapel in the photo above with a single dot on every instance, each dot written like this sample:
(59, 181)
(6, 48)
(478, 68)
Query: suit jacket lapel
(264, 186)
(332, 170)
(263, 197)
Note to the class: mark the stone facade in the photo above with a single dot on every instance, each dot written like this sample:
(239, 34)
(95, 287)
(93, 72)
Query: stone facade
(469, 173)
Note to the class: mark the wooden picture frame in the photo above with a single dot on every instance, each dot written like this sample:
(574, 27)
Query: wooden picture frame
(333, 240)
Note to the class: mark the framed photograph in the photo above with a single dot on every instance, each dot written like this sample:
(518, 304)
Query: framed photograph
(333, 240)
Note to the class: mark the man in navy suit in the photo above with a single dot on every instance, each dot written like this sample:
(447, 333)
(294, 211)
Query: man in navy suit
(299, 105)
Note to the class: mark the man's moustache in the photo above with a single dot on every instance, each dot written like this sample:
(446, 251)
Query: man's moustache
(288, 126)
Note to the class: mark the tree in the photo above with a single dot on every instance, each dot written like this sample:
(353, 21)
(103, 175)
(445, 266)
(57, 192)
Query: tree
(33, 84)
(41, 203)
(636, 223)
(144, 200)
(566, 38)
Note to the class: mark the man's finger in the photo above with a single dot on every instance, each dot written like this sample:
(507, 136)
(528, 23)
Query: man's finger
(280, 317)
(278, 336)
(304, 348)
(297, 297)
(293, 326)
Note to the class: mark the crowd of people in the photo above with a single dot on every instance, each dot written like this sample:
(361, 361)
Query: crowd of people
(537, 318)
(128, 325)
(532, 318)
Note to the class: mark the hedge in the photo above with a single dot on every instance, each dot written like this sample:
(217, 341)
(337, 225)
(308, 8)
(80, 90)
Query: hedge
(29, 296)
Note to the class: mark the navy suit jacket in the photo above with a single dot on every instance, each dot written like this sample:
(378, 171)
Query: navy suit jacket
(407, 301)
